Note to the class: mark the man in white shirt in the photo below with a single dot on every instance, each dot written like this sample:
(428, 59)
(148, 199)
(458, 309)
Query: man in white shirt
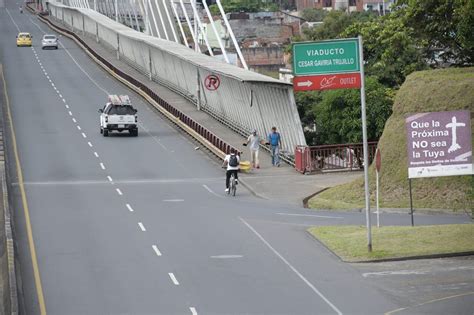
(232, 161)
(253, 141)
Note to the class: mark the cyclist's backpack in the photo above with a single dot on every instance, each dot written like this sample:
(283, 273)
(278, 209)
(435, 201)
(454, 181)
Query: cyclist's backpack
(233, 160)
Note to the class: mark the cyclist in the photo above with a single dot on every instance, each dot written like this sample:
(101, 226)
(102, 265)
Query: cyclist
(232, 161)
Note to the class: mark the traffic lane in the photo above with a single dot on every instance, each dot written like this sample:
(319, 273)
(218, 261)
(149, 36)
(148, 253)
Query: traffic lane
(416, 282)
(162, 137)
(462, 303)
(219, 264)
(93, 255)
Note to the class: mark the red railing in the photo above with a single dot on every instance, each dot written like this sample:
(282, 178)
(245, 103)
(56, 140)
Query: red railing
(347, 157)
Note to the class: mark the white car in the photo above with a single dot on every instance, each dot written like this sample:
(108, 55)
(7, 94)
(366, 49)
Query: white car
(49, 41)
(118, 114)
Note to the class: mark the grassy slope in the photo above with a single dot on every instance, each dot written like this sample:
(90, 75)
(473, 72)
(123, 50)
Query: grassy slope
(435, 90)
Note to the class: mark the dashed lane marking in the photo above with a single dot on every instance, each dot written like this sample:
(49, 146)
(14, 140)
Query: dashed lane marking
(79, 127)
(129, 207)
(102, 166)
(74, 120)
(70, 113)
(310, 215)
(119, 191)
(142, 227)
(157, 251)
(211, 191)
(84, 135)
(173, 278)
(90, 144)
(110, 179)
(193, 311)
(173, 200)
(96, 154)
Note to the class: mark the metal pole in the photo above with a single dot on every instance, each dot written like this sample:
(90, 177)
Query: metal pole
(231, 33)
(366, 146)
(197, 49)
(196, 35)
(201, 28)
(377, 197)
(95, 5)
(116, 10)
(161, 19)
(188, 21)
(411, 203)
(170, 22)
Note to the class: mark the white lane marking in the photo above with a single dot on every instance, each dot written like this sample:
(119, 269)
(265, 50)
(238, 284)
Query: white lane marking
(310, 215)
(193, 311)
(210, 190)
(102, 166)
(79, 127)
(173, 200)
(13, 21)
(415, 272)
(67, 106)
(119, 191)
(52, 84)
(50, 80)
(227, 256)
(90, 144)
(110, 179)
(157, 251)
(77, 64)
(47, 77)
(64, 101)
(74, 120)
(60, 95)
(309, 284)
(142, 227)
(84, 135)
(129, 207)
(70, 113)
(173, 278)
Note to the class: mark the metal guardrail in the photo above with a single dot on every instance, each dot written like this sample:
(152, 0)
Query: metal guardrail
(343, 157)
(201, 130)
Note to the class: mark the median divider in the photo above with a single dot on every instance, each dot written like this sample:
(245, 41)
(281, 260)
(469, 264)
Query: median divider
(211, 141)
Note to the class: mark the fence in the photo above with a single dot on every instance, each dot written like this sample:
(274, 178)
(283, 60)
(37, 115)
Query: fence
(347, 157)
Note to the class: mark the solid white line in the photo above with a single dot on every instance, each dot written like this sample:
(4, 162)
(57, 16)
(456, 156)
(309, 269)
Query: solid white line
(210, 190)
(70, 113)
(74, 120)
(16, 25)
(84, 135)
(129, 207)
(90, 144)
(79, 127)
(173, 278)
(157, 251)
(310, 215)
(173, 200)
(142, 227)
(102, 166)
(119, 191)
(193, 311)
(110, 179)
(309, 284)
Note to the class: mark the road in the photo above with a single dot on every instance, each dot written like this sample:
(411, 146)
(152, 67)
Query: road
(125, 225)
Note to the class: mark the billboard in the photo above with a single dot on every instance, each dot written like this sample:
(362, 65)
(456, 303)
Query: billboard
(439, 144)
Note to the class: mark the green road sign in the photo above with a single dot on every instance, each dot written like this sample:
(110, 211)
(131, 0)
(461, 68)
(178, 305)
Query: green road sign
(326, 57)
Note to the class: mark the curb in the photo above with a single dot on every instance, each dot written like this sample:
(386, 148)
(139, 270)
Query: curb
(405, 258)
(10, 248)
(306, 199)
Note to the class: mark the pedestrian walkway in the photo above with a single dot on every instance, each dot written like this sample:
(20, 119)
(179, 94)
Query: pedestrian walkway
(282, 183)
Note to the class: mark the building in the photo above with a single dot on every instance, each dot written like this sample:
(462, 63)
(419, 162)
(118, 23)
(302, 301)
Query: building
(381, 6)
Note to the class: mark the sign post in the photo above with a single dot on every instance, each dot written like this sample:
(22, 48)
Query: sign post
(378, 164)
(335, 64)
(438, 144)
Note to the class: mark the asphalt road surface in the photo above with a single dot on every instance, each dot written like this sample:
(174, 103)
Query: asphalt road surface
(125, 225)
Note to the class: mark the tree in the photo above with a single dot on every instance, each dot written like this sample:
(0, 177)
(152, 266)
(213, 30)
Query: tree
(390, 49)
(337, 114)
(314, 15)
(443, 27)
(243, 6)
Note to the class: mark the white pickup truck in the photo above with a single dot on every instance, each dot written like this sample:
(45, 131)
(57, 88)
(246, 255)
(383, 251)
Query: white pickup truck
(118, 114)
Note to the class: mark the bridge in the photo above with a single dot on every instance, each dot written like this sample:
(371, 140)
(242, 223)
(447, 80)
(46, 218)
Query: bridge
(141, 225)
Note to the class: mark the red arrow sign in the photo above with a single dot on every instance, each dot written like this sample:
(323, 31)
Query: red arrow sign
(327, 82)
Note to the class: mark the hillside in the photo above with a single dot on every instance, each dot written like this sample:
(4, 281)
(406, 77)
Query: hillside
(425, 91)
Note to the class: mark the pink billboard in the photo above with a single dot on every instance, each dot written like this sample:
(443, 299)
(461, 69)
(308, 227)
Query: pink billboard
(439, 144)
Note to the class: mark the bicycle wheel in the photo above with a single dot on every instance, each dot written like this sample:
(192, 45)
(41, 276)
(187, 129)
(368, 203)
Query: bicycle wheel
(234, 186)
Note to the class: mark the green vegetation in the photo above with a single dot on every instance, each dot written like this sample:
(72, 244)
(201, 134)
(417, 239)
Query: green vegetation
(314, 15)
(350, 242)
(231, 6)
(417, 35)
(425, 91)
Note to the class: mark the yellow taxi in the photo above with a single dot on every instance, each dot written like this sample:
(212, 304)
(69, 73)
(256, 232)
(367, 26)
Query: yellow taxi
(23, 39)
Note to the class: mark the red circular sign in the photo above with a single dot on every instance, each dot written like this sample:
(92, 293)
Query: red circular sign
(212, 82)
(378, 160)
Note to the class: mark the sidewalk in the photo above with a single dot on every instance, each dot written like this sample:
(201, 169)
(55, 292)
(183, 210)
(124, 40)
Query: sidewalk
(282, 183)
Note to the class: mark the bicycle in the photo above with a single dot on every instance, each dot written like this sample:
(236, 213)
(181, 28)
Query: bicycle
(232, 185)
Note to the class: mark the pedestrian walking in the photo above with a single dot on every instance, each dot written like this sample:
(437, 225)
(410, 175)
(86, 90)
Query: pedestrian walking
(253, 141)
(274, 139)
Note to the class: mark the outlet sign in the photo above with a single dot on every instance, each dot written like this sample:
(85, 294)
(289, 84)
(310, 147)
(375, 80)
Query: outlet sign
(439, 144)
